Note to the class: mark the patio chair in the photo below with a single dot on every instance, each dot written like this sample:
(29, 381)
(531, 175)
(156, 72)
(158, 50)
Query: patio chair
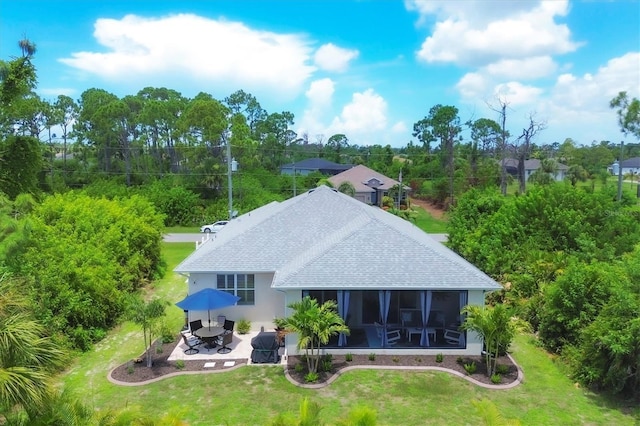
(454, 337)
(392, 335)
(221, 319)
(228, 326)
(224, 340)
(195, 326)
(191, 345)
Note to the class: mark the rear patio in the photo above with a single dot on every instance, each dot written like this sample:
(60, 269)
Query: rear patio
(240, 351)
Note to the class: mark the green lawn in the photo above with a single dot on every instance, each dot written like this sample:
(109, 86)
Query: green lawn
(251, 394)
(428, 223)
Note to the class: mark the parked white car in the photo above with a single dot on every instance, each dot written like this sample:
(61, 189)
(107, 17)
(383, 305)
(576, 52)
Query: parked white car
(214, 227)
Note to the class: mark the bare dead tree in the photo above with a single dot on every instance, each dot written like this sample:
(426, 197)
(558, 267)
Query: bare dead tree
(502, 142)
(524, 147)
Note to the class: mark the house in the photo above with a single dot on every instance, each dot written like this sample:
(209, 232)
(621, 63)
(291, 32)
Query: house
(311, 165)
(531, 166)
(370, 185)
(325, 244)
(631, 165)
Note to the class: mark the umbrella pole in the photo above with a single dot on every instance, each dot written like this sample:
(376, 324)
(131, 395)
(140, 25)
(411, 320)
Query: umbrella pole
(209, 312)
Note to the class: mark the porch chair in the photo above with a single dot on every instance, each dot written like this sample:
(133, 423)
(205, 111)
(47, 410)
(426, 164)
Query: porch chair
(224, 340)
(191, 345)
(392, 335)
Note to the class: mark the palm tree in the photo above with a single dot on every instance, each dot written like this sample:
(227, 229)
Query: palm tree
(347, 187)
(27, 357)
(494, 326)
(147, 315)
(314, 324)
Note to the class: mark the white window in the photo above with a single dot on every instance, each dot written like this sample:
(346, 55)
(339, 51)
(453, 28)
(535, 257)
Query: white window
(241, 285)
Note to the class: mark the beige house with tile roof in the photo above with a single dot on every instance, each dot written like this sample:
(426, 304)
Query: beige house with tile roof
(370, 185)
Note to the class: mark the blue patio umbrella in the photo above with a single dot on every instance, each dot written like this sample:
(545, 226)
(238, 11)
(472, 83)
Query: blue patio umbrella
(207, 299)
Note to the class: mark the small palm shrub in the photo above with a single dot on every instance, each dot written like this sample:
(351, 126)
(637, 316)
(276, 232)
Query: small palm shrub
(496, 378)
(372, 357)
(348, 357)
(439, 358)
(460, 360)
(502, 369)
(311, 377)
(470, 368)
(326, 365)
(395, 359)
(299, 368)
(243, 326)
(180, 364)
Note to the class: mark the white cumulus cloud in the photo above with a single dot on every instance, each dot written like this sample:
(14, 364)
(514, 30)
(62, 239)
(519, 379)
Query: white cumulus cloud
(330, 57)
(365, 115)
(199, 48)
(473, 33)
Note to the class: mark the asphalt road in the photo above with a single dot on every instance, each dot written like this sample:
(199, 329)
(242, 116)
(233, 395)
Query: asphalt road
(192, 238)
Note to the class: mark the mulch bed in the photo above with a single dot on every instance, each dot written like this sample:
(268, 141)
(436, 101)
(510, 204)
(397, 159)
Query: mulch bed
(450, 362)
(136, 371)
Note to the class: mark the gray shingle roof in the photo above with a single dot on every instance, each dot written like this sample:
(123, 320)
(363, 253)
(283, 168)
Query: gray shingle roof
(325, 239)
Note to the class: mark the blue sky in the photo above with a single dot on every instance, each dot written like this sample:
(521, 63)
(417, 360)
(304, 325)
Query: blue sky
(367, 68)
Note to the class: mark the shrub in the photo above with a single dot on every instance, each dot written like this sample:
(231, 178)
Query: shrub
(496, 379)
(299, 368)
(130, 368)
(326, 365)
(243, 326)
(328, 357)
(180, 364)
(395, 359)
(502, 369)
(460, 360)
(311, 377)
(348, 357)
(439, 358)
(372, 357)
(470, 368)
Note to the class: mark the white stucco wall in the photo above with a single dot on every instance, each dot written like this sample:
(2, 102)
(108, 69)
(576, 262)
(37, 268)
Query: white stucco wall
(269, 303)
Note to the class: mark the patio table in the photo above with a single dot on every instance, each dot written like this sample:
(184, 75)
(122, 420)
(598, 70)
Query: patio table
(209, 335)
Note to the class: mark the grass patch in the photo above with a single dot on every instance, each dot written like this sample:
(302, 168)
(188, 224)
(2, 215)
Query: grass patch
(241, 396)
(428, 223)
(182, 230)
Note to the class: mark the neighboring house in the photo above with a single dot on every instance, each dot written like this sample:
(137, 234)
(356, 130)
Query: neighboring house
(311, 165)
(370, 185)
(531, 166)
(631, 165)
(377, 266)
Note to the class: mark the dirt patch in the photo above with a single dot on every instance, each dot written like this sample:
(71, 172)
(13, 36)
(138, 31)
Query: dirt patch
(432, 209)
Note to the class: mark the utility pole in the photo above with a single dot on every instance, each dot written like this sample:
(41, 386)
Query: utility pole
(620, 171)
(232, 166)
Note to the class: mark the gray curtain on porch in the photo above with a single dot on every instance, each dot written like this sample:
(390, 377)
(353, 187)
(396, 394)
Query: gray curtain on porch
(384, 298)
(425, 305)
(343, 311)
